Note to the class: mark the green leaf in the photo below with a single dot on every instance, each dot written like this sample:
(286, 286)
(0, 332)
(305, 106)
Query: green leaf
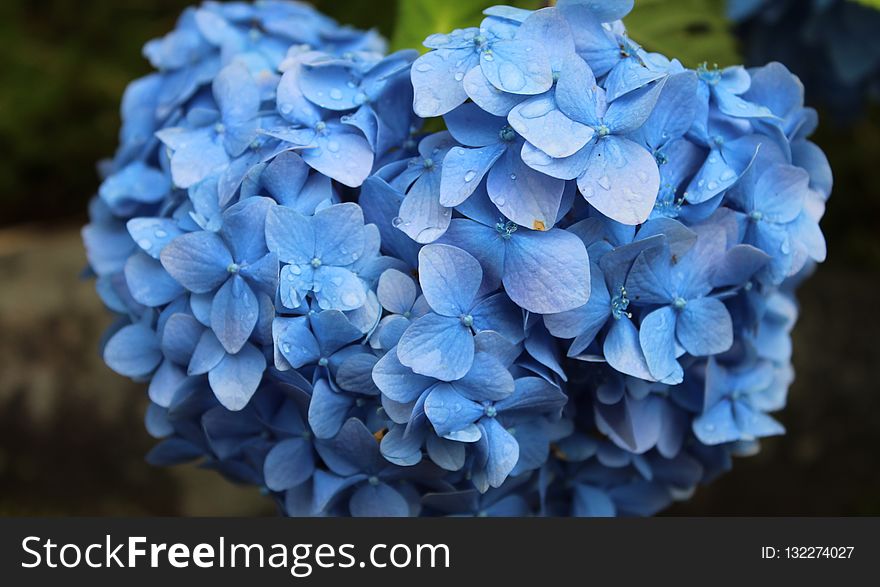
(416, 19)
(869, 3)
(692, 31)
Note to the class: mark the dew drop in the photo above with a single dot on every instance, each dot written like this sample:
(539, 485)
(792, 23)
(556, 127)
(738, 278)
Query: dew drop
(512, 177)
(424, 67)
(712, 185)
(397, 221)
(145, 243)
(727, 175)
(160, 233)
(333, 147)
(350, 299)
(459, 76)
(469, 176)
(336, 94)
(604, 182)
(295, 270)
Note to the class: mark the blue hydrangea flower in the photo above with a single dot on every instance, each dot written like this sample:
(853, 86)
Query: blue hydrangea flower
(362, 319)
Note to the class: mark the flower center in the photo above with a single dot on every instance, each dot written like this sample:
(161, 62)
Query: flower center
(373, 480)
(710, 75)
(756, 215)
(233, 268)
(467, 320)
(490, 411)
(323, 361)
(507, 134)
(505, 228)
(619, 304)
(321, 126)
(679, 303)
(603, 130)
(428, 163)
(316, 262)
(220, 128)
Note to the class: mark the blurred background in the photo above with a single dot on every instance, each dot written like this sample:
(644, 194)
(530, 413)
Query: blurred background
(71, 434)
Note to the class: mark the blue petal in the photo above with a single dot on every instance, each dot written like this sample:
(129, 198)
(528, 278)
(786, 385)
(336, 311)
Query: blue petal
(484, 243)
(353, 450)
(449, 411)
(295, 341)
(207, 354)
(527, 197)
(238, 98)
(422, 217)
(342, 154)
(290, 235)
(328, 410)
(623, 350)
(378, 501)
(532, 395)
(337, 288)
(547, 272)
(333, 330)
(234, 313)
(487, 96)
(780, 193)
(472, 126)
(541, 123)
(244, 229)
(180, 336)
(517, 67)
(446, 454)
(590, 502)
(657, 338)
(397, 291)
(705, 327)
(635, 424)
(289, 463)
(502, 451)
(148, 282)
(564, 168)
(133, 351)
(198, 260)
(152, 234)
(339, 231)
(487, 380)
(332, 86)
(398, 382)
(498, 314)
(753, 423)
(585, 320)
(436, 79)
(717, 425)
(578, 96)
(235, 379)
(463, 170)
(437, 346)
(450, 279)
(621, 180)
(135, 182)
(402, 448)
(197, 155)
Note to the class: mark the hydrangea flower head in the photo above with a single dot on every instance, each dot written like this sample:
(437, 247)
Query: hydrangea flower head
(575, 300)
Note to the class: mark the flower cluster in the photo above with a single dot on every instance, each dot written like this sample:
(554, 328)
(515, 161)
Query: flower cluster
(575, 300)
(831, 44)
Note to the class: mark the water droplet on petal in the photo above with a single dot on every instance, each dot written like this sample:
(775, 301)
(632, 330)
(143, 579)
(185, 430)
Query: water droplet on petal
(350, 298)
(333, 146)
(469, 176)
(397, 221)
(145, 243)
(604, 182)
(459, 76)
(512, 177)
(423, 67)
(336, 94)
(160, 233)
